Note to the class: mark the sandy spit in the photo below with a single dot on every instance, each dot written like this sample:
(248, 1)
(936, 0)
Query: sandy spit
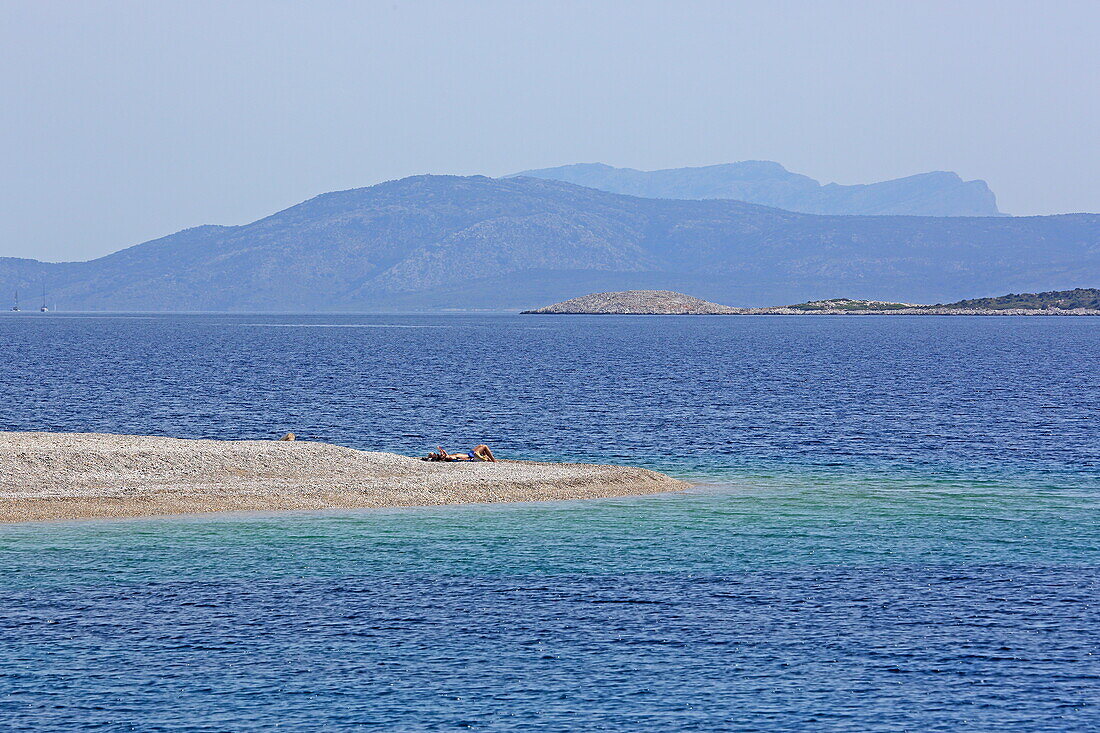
(47, 476)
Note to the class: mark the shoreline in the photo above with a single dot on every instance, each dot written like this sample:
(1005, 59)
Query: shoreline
(67, 476)
(835, 312)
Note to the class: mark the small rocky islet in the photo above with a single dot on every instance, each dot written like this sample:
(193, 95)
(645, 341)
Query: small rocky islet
(1077, 302)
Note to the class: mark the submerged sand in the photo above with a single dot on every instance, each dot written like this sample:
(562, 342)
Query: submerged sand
(83, 475)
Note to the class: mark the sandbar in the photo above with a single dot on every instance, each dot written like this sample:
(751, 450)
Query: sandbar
(58, 476)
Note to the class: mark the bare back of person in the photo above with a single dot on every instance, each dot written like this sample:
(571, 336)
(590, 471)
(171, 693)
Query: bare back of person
(479, 453)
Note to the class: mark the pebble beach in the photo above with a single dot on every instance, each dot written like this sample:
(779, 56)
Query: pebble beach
(55, 476)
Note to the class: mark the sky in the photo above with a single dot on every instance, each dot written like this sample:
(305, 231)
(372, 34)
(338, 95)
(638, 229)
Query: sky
(126, 121)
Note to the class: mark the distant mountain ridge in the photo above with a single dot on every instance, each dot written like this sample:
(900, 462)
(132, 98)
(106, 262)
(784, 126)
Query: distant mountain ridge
(939, 193)
(440, 242)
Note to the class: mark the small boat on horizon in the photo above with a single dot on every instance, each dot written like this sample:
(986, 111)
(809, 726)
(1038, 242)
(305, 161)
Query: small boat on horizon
(43, 309)
(16, 306)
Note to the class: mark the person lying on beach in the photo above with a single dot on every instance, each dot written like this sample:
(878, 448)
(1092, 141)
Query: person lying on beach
(479, 453)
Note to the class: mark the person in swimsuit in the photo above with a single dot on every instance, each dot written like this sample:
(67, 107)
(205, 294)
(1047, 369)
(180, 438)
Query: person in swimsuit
(479, 453)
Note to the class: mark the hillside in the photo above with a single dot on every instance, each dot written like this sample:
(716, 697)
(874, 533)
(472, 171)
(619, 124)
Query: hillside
(1061, 299)
(433, 242)
(939, 193)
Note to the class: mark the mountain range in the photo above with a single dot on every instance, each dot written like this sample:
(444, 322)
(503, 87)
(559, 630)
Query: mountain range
(438, 242)
(939, 193)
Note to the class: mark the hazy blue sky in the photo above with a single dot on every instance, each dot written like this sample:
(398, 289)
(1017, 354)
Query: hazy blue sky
(125, 121)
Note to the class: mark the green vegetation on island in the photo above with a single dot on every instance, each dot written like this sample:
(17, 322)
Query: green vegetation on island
(1087, 298)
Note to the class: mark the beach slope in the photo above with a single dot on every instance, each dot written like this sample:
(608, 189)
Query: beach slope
(46, 476)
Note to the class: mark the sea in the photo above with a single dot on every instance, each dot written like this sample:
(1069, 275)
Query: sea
(895, 526)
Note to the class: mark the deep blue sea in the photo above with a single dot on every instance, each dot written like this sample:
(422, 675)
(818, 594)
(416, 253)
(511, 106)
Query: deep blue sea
(896, 527)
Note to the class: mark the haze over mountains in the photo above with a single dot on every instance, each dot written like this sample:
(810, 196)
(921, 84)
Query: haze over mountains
(939, 193)
(474, 242)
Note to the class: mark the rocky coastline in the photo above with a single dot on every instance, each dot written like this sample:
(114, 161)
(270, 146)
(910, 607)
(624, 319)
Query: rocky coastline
(667, 302)
(928, 311)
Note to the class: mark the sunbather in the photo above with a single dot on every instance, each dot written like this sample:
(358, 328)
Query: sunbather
(479, 453)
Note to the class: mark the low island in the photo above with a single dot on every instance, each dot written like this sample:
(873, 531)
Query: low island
(48, 476)
(1078, 302)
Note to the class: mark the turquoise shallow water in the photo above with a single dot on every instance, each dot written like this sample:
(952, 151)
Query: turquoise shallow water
(710, 529)
(724, 607)
(896, 529)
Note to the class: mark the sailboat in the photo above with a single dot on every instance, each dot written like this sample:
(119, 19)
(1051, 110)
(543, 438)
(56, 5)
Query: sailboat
(44, 309)
(16, 306)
